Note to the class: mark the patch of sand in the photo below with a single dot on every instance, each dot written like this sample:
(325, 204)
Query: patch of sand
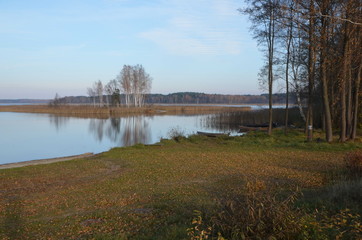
(44, 161)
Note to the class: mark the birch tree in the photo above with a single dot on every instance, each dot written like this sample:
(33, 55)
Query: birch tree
(135, 82)
(91, 93)
(125, 80)
(98, 86)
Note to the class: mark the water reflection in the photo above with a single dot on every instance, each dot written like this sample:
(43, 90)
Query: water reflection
(96, 127)
(47, 136)
(125, 131)
(57, 121)
(113, 131)
(130, 130)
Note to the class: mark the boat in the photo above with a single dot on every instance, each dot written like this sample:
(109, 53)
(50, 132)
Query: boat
(256, 127)
(209, 134)
(248, 128)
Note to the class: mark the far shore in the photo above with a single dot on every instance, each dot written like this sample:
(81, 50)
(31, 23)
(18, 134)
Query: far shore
(44, 161)
(105, 112)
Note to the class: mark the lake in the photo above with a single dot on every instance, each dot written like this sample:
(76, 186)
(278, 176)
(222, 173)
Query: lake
(28, 136)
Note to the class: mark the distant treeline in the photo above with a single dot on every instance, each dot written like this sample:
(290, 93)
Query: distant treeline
(193, 98)
(20, 101)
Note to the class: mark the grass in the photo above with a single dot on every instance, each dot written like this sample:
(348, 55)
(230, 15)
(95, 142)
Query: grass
(106, 112)
(151, 192)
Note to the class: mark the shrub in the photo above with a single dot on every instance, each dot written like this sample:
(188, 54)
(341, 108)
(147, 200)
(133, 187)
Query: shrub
(323, 226)
(343, 225)
(353, 163)
(345, 193)
(176, 133)
(200, 230)
(259, 215)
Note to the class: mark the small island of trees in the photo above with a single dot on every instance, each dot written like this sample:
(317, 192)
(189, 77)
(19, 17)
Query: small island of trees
(133, 82)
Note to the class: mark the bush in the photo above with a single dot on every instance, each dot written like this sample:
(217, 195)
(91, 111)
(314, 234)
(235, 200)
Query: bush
(353, 163)
(261, 214)
(200, 230)
(257, 215)
(345, 193)
(343, 225)
(176, 134)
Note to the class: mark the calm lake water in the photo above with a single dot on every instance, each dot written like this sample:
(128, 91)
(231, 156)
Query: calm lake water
(29, 136)
(26, 136)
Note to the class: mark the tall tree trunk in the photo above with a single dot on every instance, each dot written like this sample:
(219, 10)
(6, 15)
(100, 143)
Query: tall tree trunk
(327, 111)
(349, 102)
(290, 32)
(311, 65)
(324, 47)
(342, 136)
(270, 99)
(299, 102)
(343, 79)
(270, 66)
(356, 103)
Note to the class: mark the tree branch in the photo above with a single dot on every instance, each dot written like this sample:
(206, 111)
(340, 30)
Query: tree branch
(339, 18)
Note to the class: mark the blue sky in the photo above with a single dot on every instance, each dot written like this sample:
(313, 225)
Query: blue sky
(49, 47)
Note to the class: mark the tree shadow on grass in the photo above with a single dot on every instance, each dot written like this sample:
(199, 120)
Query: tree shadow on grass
(13, 222)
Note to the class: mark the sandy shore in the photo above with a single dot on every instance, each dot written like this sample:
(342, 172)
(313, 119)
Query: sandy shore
(44, 161)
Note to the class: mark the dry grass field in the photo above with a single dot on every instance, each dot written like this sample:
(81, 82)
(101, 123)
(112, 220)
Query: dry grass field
(151, 192)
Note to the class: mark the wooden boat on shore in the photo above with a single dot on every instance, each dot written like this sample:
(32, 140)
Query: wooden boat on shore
(256, 127)
(250, 128)
(209, 134)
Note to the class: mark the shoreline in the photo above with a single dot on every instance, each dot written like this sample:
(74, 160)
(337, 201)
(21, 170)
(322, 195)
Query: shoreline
(106, 112)
(44, 161)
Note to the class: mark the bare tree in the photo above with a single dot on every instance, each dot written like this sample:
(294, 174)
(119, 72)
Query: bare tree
(287, 38)
(92, 94)
(263, 15)
(99, 91)
(135, 83)
(125, 80)
(112, 91)
(56, 101)
(141, 85)
(322, 42)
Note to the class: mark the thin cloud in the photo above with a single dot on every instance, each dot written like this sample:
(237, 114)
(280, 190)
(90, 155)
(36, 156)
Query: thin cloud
(225, 8)
(205, 32)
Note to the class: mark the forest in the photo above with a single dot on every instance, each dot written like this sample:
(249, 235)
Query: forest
(189, 98)
(315, 48)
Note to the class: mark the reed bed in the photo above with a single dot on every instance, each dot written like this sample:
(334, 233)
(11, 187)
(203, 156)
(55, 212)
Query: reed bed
(105, 112)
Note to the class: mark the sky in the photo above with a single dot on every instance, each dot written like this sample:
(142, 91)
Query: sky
(49, 47)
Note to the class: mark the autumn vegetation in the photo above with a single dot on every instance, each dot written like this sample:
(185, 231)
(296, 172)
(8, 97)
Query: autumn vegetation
(284, 184)
(247, 187)
(314, 47)
(106, 112)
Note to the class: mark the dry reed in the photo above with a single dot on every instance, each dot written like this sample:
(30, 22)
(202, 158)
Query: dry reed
(105, 112)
